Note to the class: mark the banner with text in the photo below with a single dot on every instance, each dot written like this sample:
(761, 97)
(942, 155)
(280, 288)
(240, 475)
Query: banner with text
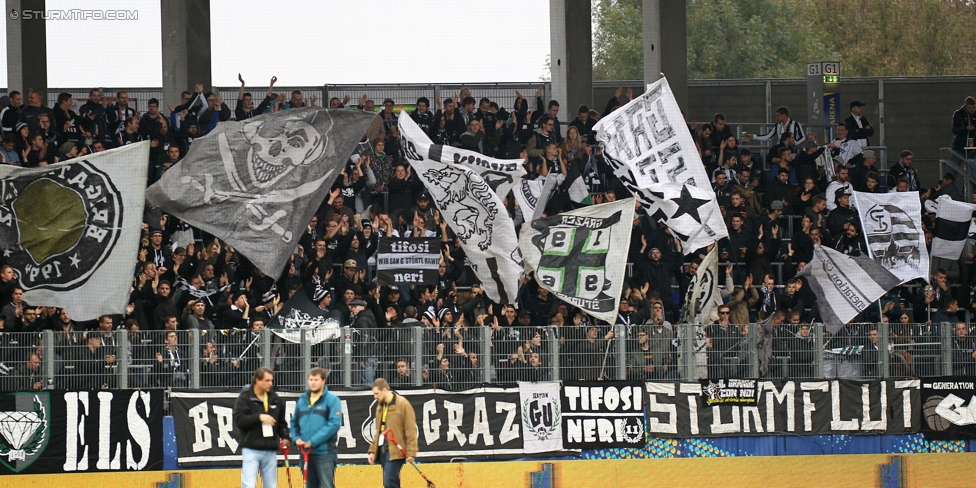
(407, 261)
(949, 407)
(481, 423)
(783, 407)
(603, 414)
(57, 431)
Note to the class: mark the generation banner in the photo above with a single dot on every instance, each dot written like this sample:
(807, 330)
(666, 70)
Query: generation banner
(684, 410)
(603, 414)
(949, 407)
(56, 431)
(407, 261)
(482, 423)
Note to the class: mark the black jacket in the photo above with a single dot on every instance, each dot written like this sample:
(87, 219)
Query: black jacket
(857, 132)
(247, 413)
(960, 120)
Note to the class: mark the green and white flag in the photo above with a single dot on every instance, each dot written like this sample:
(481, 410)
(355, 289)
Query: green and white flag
(71, 230)
(580, 256)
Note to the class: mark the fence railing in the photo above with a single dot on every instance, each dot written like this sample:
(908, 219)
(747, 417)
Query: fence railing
(461, 357)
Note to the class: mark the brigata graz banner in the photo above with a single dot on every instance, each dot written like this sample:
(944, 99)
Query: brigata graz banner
(475, 424)
(949, 407)
(81, 431)
(783, 407)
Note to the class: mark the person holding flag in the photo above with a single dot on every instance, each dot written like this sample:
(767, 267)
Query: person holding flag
(317, 418)
(395, 413)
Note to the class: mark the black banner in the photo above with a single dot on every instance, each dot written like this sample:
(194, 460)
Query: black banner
(482, 423)
(949, 407)
(741, 392)
(81, 431)
(602, 414)
(407, 261)
(787, 407)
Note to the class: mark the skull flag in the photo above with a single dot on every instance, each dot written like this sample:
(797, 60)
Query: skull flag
(256, 183)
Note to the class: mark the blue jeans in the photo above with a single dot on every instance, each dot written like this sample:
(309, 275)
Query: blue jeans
(259, 460)
(321, 470)
(391, 470)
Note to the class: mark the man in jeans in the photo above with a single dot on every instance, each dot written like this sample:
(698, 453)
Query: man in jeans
(259, 415)
(318, 416)
(393, 412)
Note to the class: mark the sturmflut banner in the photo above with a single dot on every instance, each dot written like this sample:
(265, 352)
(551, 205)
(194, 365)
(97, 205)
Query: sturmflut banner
(574, 255)
(783, 407)
(71, 230)
(407, 261)
(892, 224)
(648, 145)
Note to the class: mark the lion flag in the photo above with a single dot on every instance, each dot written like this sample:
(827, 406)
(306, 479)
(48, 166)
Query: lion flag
(256, 183)
(71, 230)
(473, 211)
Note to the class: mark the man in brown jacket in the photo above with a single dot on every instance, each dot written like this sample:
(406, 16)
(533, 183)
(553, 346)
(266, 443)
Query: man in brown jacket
(393, 412)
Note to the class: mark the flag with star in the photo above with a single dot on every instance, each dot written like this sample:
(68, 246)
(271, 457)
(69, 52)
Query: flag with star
(649, 147)
(71, 230)
(576, 255)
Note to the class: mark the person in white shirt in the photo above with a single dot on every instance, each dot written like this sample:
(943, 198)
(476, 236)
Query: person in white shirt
(841, 181)
(844, 146)
(783, 124)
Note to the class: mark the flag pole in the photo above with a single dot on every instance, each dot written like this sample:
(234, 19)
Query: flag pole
(605, 355)
(249, 347)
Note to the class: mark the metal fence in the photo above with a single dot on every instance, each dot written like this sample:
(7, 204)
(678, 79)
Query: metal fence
(501, 93)
(462, 357)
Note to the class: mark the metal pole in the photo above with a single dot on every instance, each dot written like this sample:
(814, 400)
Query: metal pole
(486, 353)
(306, 352)
(554, 353)
(418, 356)
(753, 351)
(881, 121)
(818, 350)
(48, 352)
(347, 357)
(689, 368)
(434, 107)
(122, 356)
(195, 359)
(946, 328)
(883, 343)
(620, 334)
(266, 348)
(769, 100)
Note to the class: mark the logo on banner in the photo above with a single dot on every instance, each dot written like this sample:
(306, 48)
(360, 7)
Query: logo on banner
(729, 391)
(24, 433)
(893, 237)
(61, 225)
(541, 415)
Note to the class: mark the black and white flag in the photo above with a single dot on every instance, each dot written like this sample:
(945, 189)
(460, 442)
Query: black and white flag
(256, 183)
(532, 195)
(474, 212)
(71, 230)
(576, 255)
(300, 313)
(845, 285)
(892, 224)
(648, 145)
(407, 261)
(952, 223)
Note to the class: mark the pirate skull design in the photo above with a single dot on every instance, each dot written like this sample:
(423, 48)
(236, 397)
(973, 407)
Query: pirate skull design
(277, 146)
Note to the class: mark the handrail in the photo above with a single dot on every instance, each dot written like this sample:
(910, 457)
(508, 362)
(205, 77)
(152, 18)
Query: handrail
(962, 165)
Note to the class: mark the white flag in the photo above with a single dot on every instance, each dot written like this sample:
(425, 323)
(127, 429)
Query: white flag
(71, 230)
(580, 256)
(532, 195)
(892, 224)
(702, 298)
(500, 174)
(648, 145)
(541, 416)
(845, 285)
(473, 211)
(952, 223)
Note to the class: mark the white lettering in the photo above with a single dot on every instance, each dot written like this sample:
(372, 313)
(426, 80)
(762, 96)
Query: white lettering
(138, 431)
(510, 429)
(670, 424)
(835, 422)
(432, 427)
(572, 394)
(480, 427)
(882, 423)
(76, 431)
(345, 430)
(718, 427)
(225, 427)
(455, 418)
(105, 434)
(808, 406)
(201, 432)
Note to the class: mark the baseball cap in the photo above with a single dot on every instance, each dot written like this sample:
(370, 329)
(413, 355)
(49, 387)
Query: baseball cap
(857, 103)
(357, 303)
(424, 196)
(839, 160)
(841, 192)
(776, 205)
(868, 154)
(350, 263)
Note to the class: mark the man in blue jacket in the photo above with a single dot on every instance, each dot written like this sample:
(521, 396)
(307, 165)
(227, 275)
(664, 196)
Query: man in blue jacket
(318, 416)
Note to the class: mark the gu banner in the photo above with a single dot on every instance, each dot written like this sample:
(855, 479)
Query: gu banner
(482, 423)
(892, 224)
(648, 145)
(541, 416)
(256, 183)
(571, 255)
(473, 211)
(499, 174)
(56, 431)
(71, 230)
(301, 314)
(685, 410)
(603, 414)
(949, 407)
(845, 285)
(407, 261)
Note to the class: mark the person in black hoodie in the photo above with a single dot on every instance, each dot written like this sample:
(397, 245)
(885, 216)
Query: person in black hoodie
(259, 415)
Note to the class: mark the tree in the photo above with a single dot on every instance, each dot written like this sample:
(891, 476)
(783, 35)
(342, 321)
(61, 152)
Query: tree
(617, 50)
